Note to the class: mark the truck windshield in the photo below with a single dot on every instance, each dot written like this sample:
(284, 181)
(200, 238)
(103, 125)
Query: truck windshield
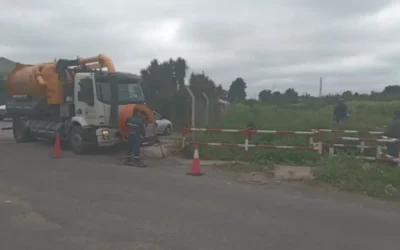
(127, 93)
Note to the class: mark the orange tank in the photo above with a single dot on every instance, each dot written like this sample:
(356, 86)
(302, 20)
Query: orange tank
(36, 80)
(43, 79)
(127, 110)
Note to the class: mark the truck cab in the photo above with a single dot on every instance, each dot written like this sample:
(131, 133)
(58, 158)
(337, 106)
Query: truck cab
(93, 95)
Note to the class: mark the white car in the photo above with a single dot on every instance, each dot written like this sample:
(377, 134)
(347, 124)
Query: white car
(3, 112)
(164, 126)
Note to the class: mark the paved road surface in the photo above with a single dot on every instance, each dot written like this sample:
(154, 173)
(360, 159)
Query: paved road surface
(91, 203)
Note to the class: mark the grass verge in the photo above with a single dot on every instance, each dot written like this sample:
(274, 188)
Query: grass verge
(347, 173)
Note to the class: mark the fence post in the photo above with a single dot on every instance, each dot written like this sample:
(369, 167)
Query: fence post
(320, 151)
(193, 110)
(331, 149)
(246, 143)
(207, 108)
(362, 147)
(184, 132)
(378, 151)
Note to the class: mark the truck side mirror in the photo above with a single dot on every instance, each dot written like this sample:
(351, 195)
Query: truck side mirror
(85, 94)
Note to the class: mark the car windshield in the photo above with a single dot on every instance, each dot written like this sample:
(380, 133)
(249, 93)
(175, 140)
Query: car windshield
(127, 92)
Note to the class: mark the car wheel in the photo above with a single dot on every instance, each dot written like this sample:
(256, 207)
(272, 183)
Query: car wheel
(167, 130)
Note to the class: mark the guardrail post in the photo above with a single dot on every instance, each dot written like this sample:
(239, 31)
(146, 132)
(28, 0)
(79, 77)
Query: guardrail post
(207, 108)
(313, 137)
(378, 151)
(184, 133)
(320, 151)
(246, 142)
(331, 150)
(362, 147)
(193, 109)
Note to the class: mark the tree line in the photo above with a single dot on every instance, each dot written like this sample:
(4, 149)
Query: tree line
(291, 96)
(165, 88)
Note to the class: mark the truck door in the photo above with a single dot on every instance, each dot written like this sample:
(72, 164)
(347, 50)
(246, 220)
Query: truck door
(85, 98)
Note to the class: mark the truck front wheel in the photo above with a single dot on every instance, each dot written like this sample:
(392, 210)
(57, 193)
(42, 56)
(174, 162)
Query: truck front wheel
(77, 140)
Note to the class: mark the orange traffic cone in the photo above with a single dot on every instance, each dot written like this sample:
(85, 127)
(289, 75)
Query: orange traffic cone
(196, 162)
(57, 147)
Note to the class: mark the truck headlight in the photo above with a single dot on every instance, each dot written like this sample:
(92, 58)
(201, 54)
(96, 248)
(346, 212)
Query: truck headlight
(105, 134)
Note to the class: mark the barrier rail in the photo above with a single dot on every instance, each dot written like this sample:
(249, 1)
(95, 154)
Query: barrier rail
(350, 131)
(247, 132)
(380, 156)
(314, 145)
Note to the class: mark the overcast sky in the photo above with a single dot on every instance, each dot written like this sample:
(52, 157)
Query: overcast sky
(352, 44)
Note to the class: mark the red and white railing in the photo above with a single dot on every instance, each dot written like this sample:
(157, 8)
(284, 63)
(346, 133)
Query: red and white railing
(246, 145)
(313, 145)
(380, 156)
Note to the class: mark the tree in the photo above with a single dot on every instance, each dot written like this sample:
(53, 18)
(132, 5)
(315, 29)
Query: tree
(237, 90)
(264, 95)
(347, 95)
(160, 82)
(291, 95)
(391, 89)
(222, 93)
(201, 83)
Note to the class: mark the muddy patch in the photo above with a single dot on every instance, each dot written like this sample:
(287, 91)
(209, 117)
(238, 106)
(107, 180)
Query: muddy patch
(292, 173)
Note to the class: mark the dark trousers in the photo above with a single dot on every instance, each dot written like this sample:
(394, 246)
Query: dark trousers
(134, 144)
(339, 119)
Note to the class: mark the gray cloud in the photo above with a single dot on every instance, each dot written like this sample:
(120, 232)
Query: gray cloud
(351, 44)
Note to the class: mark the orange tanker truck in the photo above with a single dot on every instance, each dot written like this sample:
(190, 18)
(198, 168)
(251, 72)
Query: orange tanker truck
(86, 105)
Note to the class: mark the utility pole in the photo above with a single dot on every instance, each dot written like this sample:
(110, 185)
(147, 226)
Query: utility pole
(320, 86)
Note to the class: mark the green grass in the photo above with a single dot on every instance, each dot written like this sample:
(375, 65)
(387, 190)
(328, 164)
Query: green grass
(364, 116)
(344, 171)
(347, 173)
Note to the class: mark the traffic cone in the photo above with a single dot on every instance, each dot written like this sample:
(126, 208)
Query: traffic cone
(196, 163)
(57, 147)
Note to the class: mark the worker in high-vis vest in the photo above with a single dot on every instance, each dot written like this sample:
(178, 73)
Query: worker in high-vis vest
(136, 133)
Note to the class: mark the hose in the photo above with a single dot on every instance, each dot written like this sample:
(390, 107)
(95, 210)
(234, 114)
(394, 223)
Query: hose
(173, 153)
(163, 156)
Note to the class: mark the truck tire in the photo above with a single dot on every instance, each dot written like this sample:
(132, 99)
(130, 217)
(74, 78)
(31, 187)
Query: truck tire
(76, 140)
(21, 132)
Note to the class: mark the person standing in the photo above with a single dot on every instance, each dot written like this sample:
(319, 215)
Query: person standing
(393, 131)
(136, 133)
(340, 111)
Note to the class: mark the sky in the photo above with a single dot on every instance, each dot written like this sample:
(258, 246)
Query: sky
(352, 44)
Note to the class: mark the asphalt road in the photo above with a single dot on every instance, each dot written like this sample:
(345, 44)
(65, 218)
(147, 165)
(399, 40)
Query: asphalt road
(90, 202)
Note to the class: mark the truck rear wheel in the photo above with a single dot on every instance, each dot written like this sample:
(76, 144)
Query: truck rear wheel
(21, 131)
(77, 140)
